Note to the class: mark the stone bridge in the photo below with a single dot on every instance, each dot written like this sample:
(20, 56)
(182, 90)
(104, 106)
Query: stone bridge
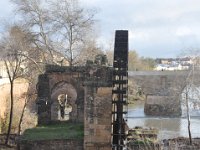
(162, 90)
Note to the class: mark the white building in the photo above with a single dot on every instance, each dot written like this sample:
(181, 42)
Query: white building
(171, 67)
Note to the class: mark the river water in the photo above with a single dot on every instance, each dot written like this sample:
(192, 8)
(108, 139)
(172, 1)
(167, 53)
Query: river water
(168, 127)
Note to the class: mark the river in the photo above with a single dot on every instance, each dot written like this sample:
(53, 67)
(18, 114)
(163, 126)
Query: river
(168, 127)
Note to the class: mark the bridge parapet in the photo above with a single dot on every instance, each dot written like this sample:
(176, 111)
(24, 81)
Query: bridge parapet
(159, 83)
(159, 73)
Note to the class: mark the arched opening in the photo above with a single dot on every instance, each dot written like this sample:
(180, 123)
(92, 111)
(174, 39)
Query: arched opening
(63, 105)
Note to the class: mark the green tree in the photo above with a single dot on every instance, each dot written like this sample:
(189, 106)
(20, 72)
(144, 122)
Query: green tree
(135, 63)
(148, 63)
(140, 63)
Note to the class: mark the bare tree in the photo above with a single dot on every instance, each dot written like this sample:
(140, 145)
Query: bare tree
(89, 51)
(71, 24)
(36, 18)
(15, 49)
(28, 96)
(58, 26)
(110, 56)
(186, 96)
(191, 91)
(13, 64)
(31, 66)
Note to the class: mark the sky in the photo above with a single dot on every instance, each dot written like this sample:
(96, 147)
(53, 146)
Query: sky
(157, 28)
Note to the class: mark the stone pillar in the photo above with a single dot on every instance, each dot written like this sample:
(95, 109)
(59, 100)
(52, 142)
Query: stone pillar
(98, 116)
(44, 104)
(162, 105)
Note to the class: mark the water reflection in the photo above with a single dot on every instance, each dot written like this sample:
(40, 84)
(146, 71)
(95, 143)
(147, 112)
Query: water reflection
(168, 127)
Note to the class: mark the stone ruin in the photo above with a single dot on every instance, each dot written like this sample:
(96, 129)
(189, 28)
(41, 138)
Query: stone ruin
(95, 95)
(86, 92)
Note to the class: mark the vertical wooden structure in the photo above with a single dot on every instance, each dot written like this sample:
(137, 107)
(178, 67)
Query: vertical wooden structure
(120, 88)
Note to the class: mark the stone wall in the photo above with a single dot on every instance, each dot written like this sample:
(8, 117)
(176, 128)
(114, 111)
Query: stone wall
(70, 144)
(159, 82)
(20, 89)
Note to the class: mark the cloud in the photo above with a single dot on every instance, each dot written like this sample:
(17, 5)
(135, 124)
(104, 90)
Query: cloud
(156, 28)
(183, 31)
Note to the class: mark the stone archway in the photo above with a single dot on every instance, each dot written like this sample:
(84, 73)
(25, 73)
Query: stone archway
(67, 89)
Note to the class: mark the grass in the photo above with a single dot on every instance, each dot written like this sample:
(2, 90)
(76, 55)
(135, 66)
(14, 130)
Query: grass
(61, 130)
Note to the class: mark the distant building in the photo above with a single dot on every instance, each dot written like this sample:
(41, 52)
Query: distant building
(162, 67)
(172, 64)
